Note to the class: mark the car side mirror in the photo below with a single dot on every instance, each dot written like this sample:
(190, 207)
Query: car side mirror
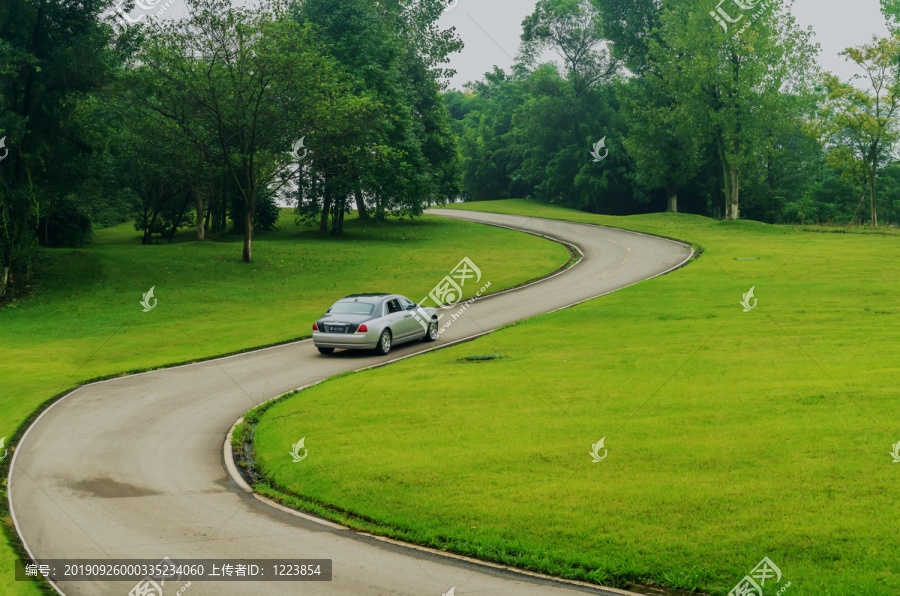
(412, 307)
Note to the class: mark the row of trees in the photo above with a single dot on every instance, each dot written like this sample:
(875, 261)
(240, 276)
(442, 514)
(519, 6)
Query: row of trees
(337, 105)
(722, 115)
(331, 104)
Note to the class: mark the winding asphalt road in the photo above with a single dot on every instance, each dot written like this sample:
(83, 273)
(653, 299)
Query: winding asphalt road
(133, 467)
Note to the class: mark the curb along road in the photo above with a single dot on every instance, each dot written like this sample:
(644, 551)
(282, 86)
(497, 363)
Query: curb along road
(142, 476)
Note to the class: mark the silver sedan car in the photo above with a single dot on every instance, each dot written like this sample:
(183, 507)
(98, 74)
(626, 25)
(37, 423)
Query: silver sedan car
(373, 322)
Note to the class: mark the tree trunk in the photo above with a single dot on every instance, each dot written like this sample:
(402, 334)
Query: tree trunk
(673, 199)
(326, 207)
(872, 197)
(732, 182)
(726, 175)
(212, 214)
(148, 231)
(4, 278)
(716, 198)
(336, 214)
(178, 220)
(248, 237)
(733, 212)
(224, 213)
(198, 204)
(313, 189)
(361, 205)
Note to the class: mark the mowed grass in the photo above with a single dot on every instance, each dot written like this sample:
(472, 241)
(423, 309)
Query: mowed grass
(85, 321)
(731, 435)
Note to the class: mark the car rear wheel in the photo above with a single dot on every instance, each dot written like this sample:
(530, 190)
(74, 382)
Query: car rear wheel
(384, 344)
(326, 350)
(431, 334)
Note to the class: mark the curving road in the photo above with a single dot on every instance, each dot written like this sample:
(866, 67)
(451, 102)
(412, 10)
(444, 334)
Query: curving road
(133, 467)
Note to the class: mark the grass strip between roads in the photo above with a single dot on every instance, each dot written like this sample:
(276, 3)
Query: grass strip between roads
(731, 435)
(84, 320)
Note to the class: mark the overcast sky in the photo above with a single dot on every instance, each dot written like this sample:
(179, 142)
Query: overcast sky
(491, 30)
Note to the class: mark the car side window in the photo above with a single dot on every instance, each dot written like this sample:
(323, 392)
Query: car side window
(405, 304)
(393, 306)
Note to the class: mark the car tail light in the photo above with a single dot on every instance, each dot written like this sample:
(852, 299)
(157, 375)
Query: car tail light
(316, 326)
(362, 329)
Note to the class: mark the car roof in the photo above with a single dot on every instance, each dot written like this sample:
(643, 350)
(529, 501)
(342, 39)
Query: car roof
(369, 298)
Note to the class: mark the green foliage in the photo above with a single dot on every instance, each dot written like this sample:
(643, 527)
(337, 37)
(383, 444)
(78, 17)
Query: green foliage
(859, 126)
(265, 218)
(401, 157)
(50, 54)
(64, 222)
(712, 119)
(628, 24)
(574, 30)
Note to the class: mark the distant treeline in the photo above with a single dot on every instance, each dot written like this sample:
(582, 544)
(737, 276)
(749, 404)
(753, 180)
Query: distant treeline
(715, 111)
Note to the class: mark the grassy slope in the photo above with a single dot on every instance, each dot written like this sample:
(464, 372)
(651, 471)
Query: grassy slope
(85, 320)
(732, 436)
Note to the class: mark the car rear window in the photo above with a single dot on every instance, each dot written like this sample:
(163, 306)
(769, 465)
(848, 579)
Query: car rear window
(352, 308)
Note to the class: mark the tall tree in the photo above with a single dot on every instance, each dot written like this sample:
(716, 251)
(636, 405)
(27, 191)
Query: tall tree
(404, 157)
(666, 150)
(51, 53)
(253, 81)
(628, 25)
(574, 30)
(859, 125)
(731, 82)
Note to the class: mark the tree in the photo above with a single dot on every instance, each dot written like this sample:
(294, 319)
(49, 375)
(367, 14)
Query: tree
(252, 80)
(730, 82)
(665, 149)
(574, 30)
(402, 156)
(859, 126)
(51, 53)
(628, 25)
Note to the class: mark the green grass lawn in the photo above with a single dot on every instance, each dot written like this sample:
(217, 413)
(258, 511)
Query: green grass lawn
(84, 320)
(731, 435)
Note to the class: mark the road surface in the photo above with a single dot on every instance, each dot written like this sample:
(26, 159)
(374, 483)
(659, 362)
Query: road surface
(133, 467)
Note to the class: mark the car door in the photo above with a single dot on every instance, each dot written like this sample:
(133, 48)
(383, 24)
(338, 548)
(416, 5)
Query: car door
(395, 318)
(411, 326)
